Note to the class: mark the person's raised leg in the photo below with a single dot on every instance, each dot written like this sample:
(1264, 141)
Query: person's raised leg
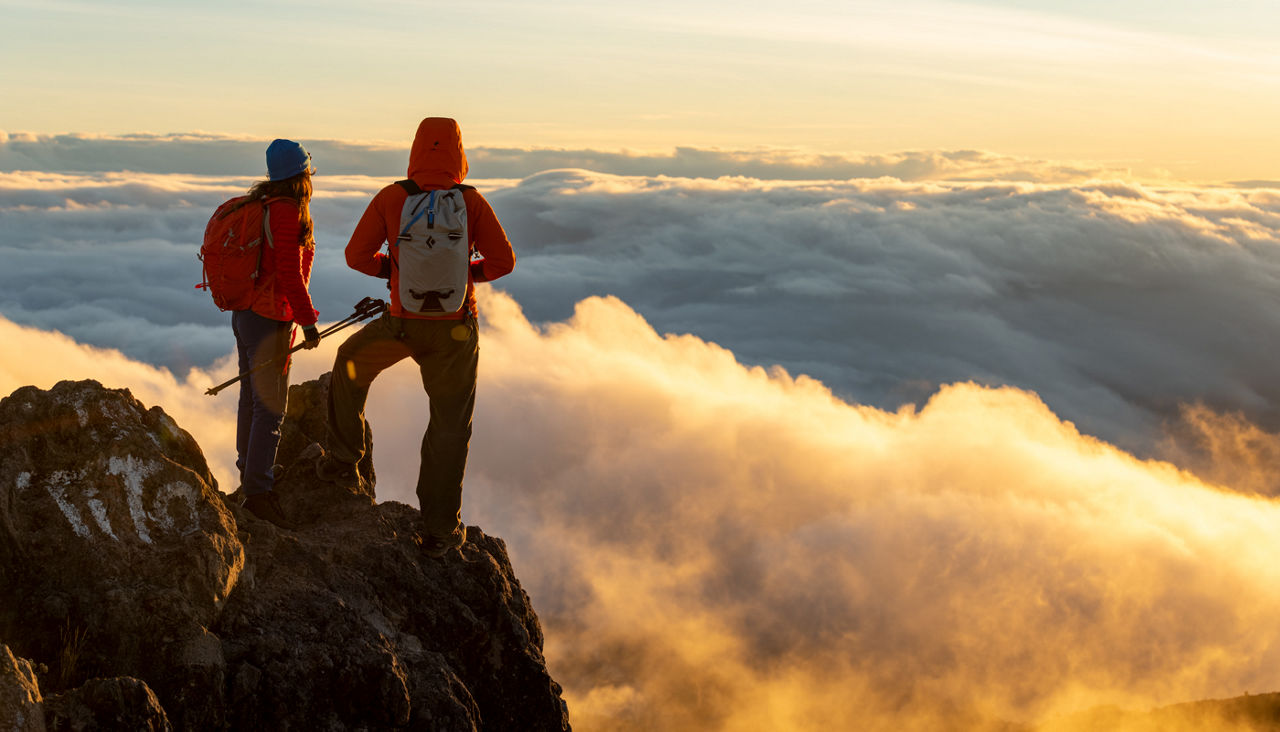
(363, 356)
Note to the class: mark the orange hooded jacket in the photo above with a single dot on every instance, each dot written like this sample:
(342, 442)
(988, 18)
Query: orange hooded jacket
(436, 161)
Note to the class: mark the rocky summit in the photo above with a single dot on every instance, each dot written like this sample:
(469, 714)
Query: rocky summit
(137, 595)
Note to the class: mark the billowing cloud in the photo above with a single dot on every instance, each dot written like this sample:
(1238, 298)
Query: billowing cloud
(715, 546)
(720, 547)
(1115, 302)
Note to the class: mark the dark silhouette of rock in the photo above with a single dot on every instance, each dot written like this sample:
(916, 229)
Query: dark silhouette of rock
(119, 550)
(137, 595)
(305, 425)
(100, 704)
(107, 704)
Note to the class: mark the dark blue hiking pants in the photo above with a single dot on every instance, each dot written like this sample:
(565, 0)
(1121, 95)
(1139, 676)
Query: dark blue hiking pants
(262, 396)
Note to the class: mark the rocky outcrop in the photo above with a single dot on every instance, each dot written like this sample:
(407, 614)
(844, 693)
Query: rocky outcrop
(107, 704)
(20, 702)
(135, 591)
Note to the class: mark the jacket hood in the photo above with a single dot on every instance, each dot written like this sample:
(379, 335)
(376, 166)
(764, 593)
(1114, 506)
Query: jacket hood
(437, 158)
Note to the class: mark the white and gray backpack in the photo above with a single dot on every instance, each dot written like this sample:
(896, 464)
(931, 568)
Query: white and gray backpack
(435, 250)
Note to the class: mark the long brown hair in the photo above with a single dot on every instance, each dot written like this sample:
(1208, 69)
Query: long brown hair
(299, 189)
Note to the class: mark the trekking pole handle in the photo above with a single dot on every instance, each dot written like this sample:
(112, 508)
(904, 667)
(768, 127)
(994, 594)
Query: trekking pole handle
(365, 309)
(369, 307)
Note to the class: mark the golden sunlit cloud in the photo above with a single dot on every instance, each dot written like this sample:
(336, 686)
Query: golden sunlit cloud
(712, 546)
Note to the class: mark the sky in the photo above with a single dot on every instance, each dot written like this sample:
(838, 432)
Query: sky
(1184, 88)
(864, 364)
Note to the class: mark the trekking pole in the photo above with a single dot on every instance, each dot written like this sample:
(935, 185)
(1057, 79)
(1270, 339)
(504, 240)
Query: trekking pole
(365, 309)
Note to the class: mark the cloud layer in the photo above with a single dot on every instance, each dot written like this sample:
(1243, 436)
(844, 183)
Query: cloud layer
(1115, 302)
(716, 546)
(110, 258)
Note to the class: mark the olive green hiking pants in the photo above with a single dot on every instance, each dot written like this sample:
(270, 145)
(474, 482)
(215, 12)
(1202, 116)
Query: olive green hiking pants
(447, 352)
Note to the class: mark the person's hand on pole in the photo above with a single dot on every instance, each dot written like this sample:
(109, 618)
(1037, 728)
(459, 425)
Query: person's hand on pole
(311, 337)
(365, 309)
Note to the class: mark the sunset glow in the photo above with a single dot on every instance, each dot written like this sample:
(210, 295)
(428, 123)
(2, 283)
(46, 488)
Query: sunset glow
(1161, 89)
(867, 365)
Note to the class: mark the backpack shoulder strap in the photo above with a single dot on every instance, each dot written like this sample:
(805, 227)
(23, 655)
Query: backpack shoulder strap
(414, 189)
(410, 187)
(266, 229)
(266, 218)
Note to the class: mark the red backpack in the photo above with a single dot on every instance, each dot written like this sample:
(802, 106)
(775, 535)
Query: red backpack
(232, 252)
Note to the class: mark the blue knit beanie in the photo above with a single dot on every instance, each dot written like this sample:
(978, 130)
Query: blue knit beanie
(286, 158)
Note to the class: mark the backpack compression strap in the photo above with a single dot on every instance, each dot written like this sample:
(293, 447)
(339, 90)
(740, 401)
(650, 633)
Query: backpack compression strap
(429, 212)
(413, 189)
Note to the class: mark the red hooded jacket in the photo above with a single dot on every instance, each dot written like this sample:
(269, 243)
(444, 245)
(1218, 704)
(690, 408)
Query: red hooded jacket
(436, 161)
(286, 268)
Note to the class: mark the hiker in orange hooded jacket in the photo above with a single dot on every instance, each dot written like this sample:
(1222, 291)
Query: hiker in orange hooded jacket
(435, 327)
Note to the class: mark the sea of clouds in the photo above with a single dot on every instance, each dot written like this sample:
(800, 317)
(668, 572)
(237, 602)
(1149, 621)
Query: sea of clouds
(782, 453)
(1117, 303)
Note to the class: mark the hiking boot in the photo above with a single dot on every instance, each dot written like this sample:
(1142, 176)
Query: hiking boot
(333, 470)
(266, 506)
(437, 546)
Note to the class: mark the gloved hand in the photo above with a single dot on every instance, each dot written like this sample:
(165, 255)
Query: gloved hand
(384, 271)
(311, 336)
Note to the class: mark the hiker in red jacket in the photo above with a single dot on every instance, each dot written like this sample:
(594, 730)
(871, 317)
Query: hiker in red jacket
(264, 331)
(442, 238)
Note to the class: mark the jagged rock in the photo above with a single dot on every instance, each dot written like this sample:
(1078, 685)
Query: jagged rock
(107, 704)
(121, 547)
(305, 424)
(347, 622)
(21, 709)
(120, 559)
